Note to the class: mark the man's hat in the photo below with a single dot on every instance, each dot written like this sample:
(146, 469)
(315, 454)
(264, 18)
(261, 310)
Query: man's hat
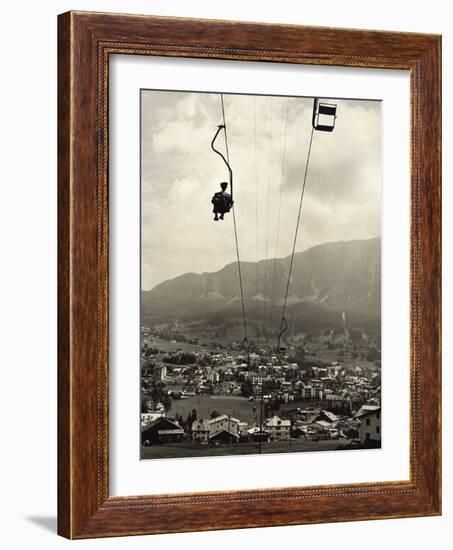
(224, 184)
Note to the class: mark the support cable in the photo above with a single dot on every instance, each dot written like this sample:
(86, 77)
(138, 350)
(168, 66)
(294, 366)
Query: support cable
(256, 231)
(283, 324)
(265, 309)
(244, 319)
(282, 175)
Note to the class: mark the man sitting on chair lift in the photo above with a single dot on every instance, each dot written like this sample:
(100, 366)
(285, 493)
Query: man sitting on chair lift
(222, 202)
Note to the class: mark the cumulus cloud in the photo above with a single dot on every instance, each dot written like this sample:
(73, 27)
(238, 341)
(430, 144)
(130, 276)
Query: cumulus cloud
(268, 139)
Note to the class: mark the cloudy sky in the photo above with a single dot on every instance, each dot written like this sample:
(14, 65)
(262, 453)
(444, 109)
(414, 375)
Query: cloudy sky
(268, 140)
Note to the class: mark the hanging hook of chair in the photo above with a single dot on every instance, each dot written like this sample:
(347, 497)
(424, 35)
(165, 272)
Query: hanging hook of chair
(283, 329)
(222, 200)
(230, 171)
(246, 349)
(245, 345)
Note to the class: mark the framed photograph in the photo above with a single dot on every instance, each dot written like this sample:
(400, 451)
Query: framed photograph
(249, 275)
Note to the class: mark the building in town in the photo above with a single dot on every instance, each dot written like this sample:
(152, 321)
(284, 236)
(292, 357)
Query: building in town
(224, 435)
(212, 376)
(200, 431)
(221, 429)
(327, 416)
(224, 422)
(146, 418)
(159, 372)
(256, 434)
(279, 429)
(162, 430)
(370, 424)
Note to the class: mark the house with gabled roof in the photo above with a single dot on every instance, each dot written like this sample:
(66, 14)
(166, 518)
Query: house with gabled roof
(370, 425)
(221, 429)
(223, 436)
(162, 430)
(278, 428)
(257, 434)
(327, 416)
(224, 422)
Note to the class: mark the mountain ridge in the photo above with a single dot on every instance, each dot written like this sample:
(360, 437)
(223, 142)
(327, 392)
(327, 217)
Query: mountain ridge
(338, 275)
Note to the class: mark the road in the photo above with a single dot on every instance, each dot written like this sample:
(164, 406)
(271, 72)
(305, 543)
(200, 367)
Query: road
(185, 450)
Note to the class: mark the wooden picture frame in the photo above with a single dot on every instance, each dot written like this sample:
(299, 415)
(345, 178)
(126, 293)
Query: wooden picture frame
(85, 42)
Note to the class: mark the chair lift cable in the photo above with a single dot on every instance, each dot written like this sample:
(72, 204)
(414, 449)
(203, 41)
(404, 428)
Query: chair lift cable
(265, 309)
(256, 230)
(244, 320)
(283, 323)
(282, 175)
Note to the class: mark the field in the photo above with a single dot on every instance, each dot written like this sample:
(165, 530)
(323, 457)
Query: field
(236, 406)
(239, 407)
(185, 450)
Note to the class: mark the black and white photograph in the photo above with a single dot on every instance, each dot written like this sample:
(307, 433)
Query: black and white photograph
(260, 274)
(225, 291)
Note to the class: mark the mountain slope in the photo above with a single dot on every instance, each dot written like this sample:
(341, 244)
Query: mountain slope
(337, 276)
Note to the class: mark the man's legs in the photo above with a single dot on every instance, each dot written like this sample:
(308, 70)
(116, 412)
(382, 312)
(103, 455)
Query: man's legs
(215, 210)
